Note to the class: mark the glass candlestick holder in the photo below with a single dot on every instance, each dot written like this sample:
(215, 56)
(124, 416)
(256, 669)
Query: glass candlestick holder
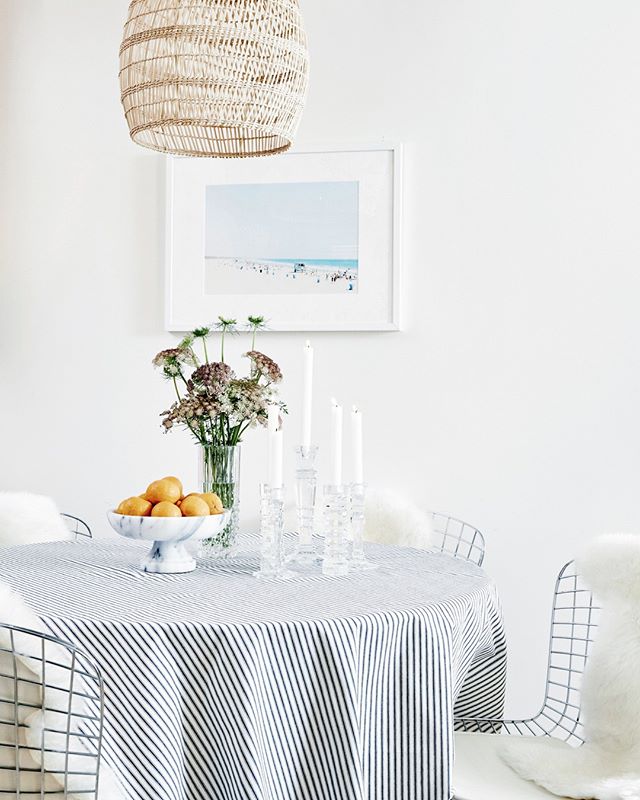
(306, 554)
(357, 496)
(336, 527)
(271, 533)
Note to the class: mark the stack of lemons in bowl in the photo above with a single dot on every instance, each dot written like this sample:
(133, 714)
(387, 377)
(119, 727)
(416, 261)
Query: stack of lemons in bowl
(166, 498)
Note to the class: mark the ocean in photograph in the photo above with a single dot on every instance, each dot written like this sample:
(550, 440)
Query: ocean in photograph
(280, 276)
(255, 233)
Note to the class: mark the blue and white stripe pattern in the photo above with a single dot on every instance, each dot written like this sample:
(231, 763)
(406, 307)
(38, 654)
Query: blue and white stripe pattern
(219, 686)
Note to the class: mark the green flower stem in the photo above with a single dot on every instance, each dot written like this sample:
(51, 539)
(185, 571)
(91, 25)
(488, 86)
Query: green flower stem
(184, 380)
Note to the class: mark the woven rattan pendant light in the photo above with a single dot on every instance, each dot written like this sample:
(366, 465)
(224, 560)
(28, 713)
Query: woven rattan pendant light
(225, 78)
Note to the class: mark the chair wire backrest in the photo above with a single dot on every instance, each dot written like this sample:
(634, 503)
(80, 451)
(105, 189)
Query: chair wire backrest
(77, 526)
(457, 538)
(574, 621)
(51, 711)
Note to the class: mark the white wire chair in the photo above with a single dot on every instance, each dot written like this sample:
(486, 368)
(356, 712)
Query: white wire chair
(457, 538)
(46, 676)
(77, 526)
(573, 622)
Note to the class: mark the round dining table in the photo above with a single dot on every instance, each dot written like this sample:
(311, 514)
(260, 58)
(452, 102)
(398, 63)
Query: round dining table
(220, 686)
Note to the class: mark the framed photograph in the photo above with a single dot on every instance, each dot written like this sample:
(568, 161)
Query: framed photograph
(309, 239)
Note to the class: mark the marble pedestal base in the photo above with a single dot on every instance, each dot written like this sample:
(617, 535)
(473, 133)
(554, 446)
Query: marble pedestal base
(167, 558)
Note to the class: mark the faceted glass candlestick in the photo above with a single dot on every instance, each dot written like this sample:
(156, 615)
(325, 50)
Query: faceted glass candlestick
(336, 528)
(357, 494)
(271, 533)
(306, 555)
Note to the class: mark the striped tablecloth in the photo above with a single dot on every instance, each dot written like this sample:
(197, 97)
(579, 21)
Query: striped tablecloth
(222, 687)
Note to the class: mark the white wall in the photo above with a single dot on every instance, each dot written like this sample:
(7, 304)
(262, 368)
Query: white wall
(510, 396)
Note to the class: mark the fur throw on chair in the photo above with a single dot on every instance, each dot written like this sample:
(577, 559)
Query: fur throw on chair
(30, 519)
(607, 766)
(33, 720)
(392, 519)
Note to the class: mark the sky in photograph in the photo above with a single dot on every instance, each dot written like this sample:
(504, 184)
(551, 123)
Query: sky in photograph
(282, 220)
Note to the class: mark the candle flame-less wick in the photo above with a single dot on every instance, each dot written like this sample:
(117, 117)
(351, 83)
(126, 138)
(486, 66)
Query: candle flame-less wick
(356, 410)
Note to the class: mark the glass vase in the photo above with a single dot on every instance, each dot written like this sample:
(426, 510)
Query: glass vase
(220, 474)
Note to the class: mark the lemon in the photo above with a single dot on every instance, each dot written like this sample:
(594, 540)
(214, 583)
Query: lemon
(194, 506)
(134, 507)
(213, 501)
(164, 491)
(165, 509)
(177, 482)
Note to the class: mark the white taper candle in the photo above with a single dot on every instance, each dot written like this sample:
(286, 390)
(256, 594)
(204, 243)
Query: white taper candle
(336, 443)
(275, 447)
(307, 394)
(356, 441)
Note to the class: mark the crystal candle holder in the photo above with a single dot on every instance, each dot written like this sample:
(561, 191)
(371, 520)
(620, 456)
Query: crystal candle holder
(305, 553)
(271, 533)
(357, 495)
(336, 526)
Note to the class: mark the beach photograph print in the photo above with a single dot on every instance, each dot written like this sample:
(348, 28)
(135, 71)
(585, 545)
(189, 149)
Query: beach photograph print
(282, 238)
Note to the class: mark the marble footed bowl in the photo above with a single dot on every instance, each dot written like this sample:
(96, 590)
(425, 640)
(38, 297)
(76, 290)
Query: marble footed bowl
(168, 555)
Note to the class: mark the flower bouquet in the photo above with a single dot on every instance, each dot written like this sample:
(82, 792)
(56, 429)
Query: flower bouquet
(217, 408)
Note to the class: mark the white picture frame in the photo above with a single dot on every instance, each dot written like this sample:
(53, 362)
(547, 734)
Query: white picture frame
(373, 306)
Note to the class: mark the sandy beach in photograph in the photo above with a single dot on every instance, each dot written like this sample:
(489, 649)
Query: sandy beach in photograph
(244, 276)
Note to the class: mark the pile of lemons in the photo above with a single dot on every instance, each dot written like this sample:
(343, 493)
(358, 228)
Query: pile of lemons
(166, 498)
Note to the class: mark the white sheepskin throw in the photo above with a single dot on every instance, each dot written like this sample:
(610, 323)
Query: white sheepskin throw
(14, 611)
(607, 766)
(30, 519)
(391, 519)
